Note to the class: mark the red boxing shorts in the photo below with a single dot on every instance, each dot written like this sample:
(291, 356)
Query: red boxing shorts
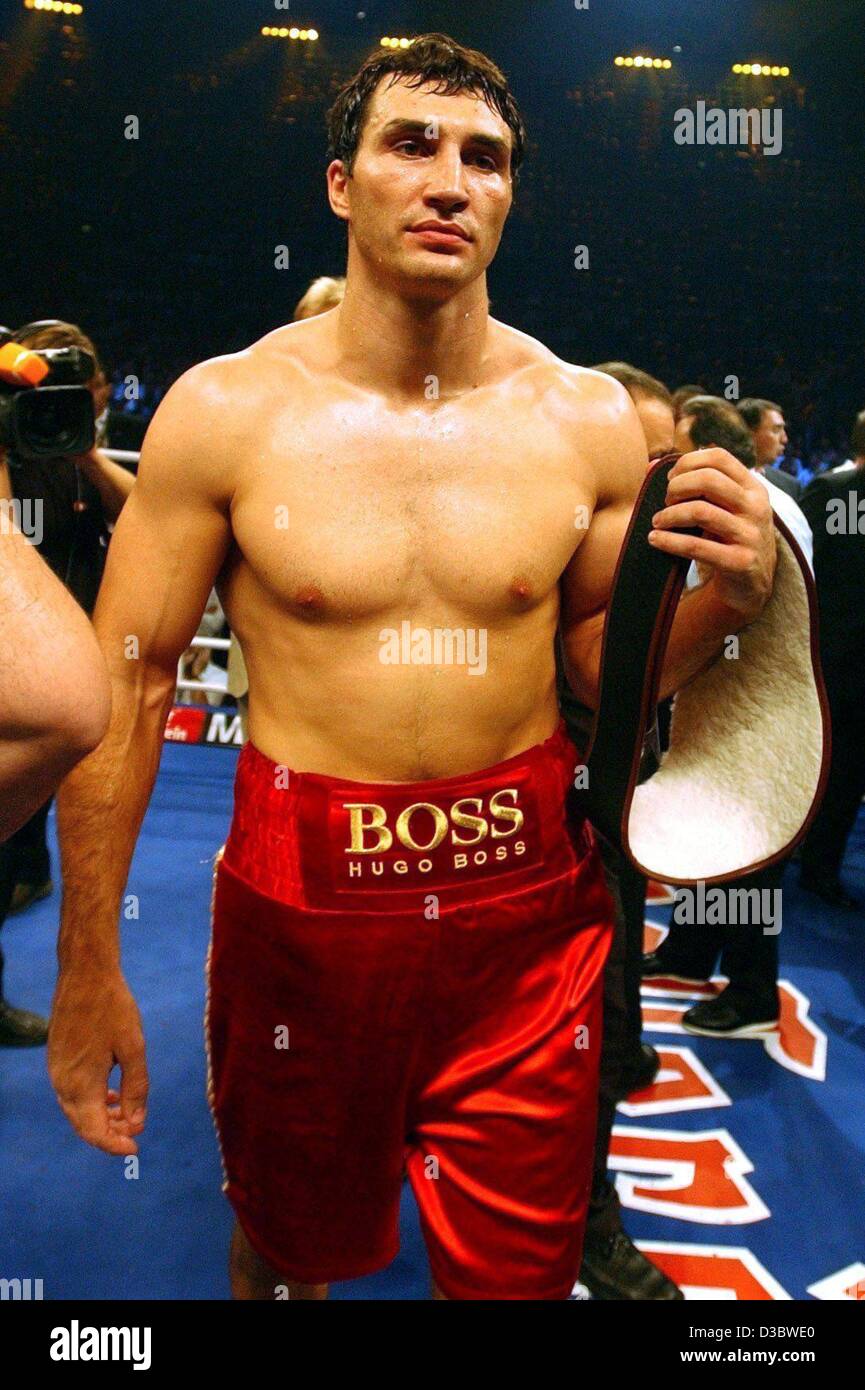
(409, 975)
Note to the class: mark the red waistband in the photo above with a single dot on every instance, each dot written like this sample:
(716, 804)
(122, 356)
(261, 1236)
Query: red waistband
(327, 842)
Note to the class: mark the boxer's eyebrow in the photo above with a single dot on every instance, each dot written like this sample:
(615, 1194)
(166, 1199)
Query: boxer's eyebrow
(405, 125)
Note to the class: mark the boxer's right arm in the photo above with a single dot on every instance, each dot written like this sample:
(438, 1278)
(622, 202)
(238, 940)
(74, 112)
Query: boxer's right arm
(166, 551)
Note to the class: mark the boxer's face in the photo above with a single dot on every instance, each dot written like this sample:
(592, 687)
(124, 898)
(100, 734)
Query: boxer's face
(424, 158)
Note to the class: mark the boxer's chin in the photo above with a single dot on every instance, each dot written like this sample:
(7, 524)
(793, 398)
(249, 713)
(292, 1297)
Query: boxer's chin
(429, 276)
(444, 261)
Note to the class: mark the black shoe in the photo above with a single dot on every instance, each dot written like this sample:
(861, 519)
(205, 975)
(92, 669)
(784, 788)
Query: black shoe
(671, 967)
(26, 894)
(829, 889)
(731, 1014)
(640, 1072)
(19, 1028)
(615, 1269)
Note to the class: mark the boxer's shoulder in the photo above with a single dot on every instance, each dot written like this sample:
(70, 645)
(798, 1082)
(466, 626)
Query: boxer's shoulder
(579, 393)
(590, 410)
(203, 427)
(235, 382)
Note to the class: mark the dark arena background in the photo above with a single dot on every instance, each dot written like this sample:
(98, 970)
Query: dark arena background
(153, 157)
(702, 261)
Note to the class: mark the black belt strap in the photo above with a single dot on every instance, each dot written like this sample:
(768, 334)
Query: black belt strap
(646, 589)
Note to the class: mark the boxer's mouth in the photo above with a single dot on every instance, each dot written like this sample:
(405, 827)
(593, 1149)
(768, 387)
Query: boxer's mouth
(441, 231)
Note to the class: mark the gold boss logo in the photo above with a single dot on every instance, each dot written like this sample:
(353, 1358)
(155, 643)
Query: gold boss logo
(371, 834)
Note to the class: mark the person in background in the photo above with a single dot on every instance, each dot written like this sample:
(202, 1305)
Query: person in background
(613, 1267)
(834, 504)
(765, 420)
(323, 294)
(77, 498)
(197, 665)
(682, 395)
(653, 403)
(710, 418)
(54, 709)
(748, 1006)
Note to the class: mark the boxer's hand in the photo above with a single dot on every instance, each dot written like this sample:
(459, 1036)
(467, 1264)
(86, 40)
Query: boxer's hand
(711, 489)
(94, 1023)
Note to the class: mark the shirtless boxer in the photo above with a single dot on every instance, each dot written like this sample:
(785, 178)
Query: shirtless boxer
(402, 459)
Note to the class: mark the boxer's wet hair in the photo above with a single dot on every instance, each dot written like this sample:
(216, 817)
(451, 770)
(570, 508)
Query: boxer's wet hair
(634, 379)
(432, 59)
(715, 423)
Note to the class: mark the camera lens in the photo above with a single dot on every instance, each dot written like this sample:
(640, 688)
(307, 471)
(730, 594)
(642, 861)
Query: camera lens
(55, 420)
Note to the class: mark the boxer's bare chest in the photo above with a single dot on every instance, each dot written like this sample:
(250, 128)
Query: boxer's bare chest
(348, 508)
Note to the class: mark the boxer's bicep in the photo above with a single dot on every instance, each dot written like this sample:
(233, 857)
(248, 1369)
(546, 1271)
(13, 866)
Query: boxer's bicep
(170, 540)
(613, 439)
(586, 587)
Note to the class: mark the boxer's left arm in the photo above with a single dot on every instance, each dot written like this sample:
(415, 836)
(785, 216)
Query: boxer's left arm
(707, 488)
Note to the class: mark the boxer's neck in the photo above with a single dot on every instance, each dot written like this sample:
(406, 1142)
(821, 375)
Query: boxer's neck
(397, 345)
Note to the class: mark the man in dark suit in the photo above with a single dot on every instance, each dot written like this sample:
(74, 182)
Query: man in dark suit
(835, 506)
(765, 420)
(613, 1266)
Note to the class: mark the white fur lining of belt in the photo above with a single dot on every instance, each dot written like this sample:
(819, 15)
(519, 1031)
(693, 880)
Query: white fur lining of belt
(749, 746)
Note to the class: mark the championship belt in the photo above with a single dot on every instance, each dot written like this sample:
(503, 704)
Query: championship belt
(749, 747)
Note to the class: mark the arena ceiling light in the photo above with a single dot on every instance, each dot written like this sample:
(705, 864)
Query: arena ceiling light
(54, 6)
(271, 31)
(760, 70)
(396, 43)
(642, 61)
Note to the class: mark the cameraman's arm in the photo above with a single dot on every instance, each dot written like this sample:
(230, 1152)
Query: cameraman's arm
(113, 482)
(165, 554)
(54, 693)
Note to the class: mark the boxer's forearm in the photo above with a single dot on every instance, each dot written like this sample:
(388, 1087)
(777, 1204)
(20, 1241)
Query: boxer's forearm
(700, 627)
(100, 808)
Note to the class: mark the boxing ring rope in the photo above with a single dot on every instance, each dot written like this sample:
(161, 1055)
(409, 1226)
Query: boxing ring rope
(121, 455)
(221, 644)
